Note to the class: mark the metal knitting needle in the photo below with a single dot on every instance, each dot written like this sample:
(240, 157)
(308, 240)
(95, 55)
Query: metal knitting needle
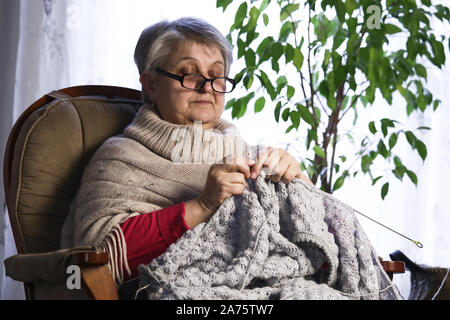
(417, 243)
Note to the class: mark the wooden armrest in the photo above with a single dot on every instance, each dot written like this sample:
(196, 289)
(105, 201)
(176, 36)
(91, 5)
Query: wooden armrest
(89, 258)
(391, 267)
(96, 275)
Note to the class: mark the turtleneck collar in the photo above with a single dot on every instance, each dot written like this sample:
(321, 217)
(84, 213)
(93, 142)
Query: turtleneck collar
(185, 143)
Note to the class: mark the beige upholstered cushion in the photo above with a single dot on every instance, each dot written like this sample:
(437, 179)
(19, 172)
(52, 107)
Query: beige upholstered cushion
(52, 149)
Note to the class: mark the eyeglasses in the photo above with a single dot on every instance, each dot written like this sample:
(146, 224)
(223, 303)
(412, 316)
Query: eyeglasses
(196, 82)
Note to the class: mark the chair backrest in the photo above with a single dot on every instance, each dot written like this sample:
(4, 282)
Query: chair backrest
(47, 150)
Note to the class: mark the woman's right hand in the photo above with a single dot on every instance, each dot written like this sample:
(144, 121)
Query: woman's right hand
(224, 180)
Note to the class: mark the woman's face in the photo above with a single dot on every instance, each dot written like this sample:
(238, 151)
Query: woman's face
(180, 105)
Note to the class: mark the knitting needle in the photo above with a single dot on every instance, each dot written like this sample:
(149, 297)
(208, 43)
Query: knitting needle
(417, 243)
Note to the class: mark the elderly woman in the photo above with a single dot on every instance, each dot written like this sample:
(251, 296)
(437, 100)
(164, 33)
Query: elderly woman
(139, 195)
(146, 194)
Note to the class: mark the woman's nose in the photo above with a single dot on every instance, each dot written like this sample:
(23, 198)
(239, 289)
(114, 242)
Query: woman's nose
(207, 87)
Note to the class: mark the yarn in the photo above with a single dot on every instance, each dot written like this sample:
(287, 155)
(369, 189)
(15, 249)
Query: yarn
(275, 241)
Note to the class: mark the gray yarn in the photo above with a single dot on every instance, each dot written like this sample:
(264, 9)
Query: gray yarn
(271, 243)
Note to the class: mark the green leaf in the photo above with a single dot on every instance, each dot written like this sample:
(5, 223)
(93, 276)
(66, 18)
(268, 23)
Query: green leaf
(372, 128)
(412, 176)
(250, 58)
(391, 29)
(240, 16)
(265, 19)
(285, 31)
(386, 123)
(295, 118)
(277, 51)
(350, 5)
(277, 111)
(436, 104)
(264, 50)
(422, 149)
(411, 138)
(281, 83)
(305, 114)
(438, 53)
(223, 4)
(230, 103)
(393, 140)
(381, 148)
(366, 161)
(338, 183)
(384, 190)
(264, 47)
(264, 5)
(287, 10)
(323, 28)
(312, 136)
(323, 89)
(298, 59)
(253, 19)
(376, 180)
(290, 128)
(339, 38)
(248, 80)
(290, 91)
(289, 53)
(318, 150)
(421, 71)
(237, 109)
(285, 114)
(340, 10)
(265, 82)
(259, 104)
(240, 107)
(241, 47)
(317, 114)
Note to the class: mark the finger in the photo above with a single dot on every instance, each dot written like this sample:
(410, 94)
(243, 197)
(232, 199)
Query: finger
(233, 163)
(280, 169)
(237, 188)
(243, 167)
(271, 164)
(261, 158)
(289, 175)
(235, 177)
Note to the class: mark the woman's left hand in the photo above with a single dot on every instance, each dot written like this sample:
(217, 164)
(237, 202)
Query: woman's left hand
(278, 165)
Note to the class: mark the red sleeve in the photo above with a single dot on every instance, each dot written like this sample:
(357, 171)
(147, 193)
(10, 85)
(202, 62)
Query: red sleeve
(149, 235)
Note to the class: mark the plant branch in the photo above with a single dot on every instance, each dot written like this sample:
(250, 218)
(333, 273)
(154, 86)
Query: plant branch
(296, 45)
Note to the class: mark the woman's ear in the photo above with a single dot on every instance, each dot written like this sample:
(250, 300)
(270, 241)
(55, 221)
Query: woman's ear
(148, 83)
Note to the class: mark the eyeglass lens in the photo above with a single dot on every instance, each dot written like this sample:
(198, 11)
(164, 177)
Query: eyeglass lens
(196, 82)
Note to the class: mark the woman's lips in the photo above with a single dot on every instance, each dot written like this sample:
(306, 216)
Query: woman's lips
(203, 102)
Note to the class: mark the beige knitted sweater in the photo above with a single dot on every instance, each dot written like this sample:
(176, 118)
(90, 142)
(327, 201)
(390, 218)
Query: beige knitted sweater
(154, 164)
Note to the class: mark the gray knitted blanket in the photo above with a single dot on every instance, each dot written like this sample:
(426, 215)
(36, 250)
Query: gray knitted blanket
(275, 241)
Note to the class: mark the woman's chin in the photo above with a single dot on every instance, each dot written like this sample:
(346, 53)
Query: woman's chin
(204, 118)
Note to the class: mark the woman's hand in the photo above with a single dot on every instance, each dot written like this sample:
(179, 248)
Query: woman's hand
(224, 180)
(278, 165)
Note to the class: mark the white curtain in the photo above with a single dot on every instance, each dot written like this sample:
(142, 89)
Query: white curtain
(49, 44)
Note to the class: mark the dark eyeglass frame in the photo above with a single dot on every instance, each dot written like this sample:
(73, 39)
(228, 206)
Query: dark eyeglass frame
(181, 79)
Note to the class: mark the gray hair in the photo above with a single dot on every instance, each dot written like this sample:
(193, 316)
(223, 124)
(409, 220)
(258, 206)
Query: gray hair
(156, 42)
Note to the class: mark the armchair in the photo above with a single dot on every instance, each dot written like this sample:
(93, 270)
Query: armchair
(47, 150)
